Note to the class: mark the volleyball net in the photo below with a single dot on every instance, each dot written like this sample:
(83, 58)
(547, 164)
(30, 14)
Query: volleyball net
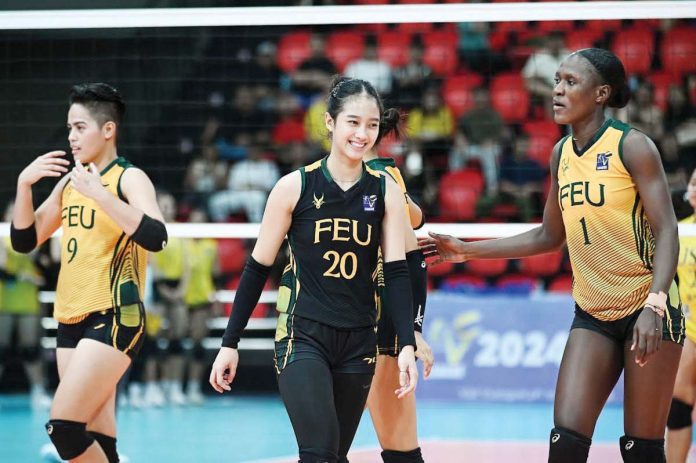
(211, 91)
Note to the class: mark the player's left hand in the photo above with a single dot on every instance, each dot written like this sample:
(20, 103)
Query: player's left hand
(424, 353)
(87, 181)
(408, 372)
(647, 336)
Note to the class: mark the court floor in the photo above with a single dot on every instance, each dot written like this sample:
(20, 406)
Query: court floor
(256, 429)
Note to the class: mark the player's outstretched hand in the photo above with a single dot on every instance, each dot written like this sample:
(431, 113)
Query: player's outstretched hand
(408, 372)
(444, 248)
(425, 354)
(224, 369)
(51, 164)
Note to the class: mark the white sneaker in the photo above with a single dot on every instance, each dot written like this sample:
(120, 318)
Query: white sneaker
(39, 399)
(176, 395)
(154, 397)
(194, 395)
(135, 395)
(49, 453)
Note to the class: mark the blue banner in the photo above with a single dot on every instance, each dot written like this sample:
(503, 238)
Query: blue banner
(496, 348)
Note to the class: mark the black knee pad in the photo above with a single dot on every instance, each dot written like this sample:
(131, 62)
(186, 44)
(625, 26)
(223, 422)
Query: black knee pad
(394, 456)
(175, 347)
(679, 415)
(70, 437)
(30, 354)
(314, 455)
(568, 446)
(636, 450)
(108, 445)
(198, 351)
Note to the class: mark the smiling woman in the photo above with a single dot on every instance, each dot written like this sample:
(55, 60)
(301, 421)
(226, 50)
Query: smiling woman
(337, 214)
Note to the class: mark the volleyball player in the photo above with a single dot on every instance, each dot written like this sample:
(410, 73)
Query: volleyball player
(20, 313)
(110, 219)
(337, 213)
(679, 422)
(395, 420)
(609, 202)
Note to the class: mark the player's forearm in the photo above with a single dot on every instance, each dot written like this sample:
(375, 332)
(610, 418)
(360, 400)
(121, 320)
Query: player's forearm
(666, 258)
(23, 214)
(127, 217)
(535, 241)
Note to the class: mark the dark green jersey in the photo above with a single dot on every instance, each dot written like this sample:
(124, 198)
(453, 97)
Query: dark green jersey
(334, 243)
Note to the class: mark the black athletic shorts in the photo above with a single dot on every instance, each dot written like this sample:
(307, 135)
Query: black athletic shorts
(122, 328)
(621, 330)
(352, 351)
(387, 340)
(169, 283)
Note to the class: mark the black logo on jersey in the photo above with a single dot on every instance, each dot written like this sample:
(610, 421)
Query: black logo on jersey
(369, 203)
(318, 202)
(603, 160)
(78, 215)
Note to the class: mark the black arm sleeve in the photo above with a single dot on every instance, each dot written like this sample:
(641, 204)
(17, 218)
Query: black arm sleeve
(251, 284)
(417, 271)
(23, 240)
(397, 300)
(151, 234)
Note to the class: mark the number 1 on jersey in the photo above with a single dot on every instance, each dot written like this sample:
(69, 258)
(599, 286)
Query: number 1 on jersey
(584, 231)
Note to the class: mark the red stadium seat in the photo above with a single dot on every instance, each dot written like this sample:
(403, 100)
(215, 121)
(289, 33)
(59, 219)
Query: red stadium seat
(540, 147)
(661, 82)
(442, 269)
(555, 25)
(393, 47)
(343, 47)
(459, 193)
(510, 97)
(414, 28)
(487, 267)
(410, 2)
(293, 49)
(443, 59)
(635, 47)
(603, 24)
(232, 255)
(561, 284)
(511, 26)
(583, 38)
(457, 94)
(541, 265)
(546, 128)
(441, 37)
(371, 2)
(678, 51)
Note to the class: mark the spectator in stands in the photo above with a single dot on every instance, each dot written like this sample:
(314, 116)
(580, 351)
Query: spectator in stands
(679, 141)
(265, 75)
(475, 50)
(313, 76)
(410, 79)
(522, 180)
(432, 121)
(234, 126)
(315, 127)
(538, 71)
(290, 126)
(371, 68)
(20, 313)
(642, 112)
(293, 156)
(204, 176)
(248, 184)
(480, 134)
(199, 296)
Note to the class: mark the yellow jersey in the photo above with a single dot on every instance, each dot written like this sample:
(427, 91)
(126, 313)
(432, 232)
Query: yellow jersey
(610, 242)
(686, 270)
(101, 267)
(200, 255)
(20, 295)
(169, 262)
